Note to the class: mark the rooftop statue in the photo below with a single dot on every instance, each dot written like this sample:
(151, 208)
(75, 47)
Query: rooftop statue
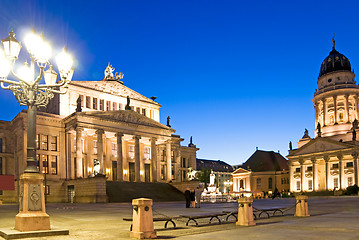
(109, 73)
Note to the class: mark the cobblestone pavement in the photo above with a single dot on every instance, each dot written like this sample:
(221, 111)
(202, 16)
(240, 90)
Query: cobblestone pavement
(331, 218)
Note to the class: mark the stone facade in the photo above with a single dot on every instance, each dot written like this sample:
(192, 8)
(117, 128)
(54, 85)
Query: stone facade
(100, 137)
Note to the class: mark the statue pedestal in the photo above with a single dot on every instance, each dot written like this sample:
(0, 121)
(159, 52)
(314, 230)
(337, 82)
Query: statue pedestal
(32, 215)
(142, 225)
(245, 212)
(301, 209)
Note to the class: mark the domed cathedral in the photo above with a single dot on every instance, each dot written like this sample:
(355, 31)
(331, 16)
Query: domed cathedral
(336, 100)
(329, 161)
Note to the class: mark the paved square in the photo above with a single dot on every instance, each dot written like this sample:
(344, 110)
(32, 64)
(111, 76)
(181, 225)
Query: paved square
(331, 218)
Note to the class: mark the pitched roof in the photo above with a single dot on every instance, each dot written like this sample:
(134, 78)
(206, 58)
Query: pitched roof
(262, 161)
(215, 165)
(240, 170)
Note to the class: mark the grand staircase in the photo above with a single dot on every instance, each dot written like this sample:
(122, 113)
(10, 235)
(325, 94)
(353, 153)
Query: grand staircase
(126, 191)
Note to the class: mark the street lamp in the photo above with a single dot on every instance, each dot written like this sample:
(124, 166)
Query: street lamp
(29, 92)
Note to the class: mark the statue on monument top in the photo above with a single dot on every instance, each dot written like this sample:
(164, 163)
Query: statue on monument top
(128, 107)
(109, 73)
(168, 121)
(319, 129)
(306, 133)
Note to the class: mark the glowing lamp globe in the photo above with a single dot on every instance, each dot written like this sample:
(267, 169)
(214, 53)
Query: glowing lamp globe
(64, 62)
(11, 46)
(50, 76)
(4, 65)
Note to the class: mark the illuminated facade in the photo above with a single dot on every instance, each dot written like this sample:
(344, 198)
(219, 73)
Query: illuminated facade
(329, 161)
(97, 127)
(263, 172)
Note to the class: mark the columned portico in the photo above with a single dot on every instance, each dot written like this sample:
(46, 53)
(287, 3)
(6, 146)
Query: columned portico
(99, 133)
(79, 158)
(137, 159)
(168, 161)
(119, 157)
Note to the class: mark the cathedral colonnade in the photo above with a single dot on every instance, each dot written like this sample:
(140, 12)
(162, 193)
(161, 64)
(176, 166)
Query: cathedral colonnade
(326, 172)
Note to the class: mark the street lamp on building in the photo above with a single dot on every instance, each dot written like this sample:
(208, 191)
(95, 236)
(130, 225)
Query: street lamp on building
(29, 90)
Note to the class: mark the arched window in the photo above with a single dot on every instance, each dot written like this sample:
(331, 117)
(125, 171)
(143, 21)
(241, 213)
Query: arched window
(241, 183)
(341, 117)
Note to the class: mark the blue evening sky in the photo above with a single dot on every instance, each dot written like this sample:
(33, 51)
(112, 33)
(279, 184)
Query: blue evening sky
(235, 75)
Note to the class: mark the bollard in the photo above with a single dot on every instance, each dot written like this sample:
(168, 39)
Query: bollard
(245, 212)
(142, 225)
(301, 209)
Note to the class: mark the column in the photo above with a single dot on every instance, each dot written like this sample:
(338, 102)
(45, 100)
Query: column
(356, 106)
(69, 174)
(119, 157)
(315, 177)
(168, 161)
(341, 171)
(316, 112)
(355, 160)
(335, 110)
(302, 174)
(79, 160)
(100, 149)
(326, 159)
(347, 106)
(324, 111)
(137, 159)
(154, 160)
(178, 165)
(291, 177)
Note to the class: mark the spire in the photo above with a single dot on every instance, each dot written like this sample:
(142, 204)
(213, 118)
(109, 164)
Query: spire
(333, 41)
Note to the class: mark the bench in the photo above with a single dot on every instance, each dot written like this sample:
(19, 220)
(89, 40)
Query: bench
(155, 219)
(267, 210)
(206, 215)
(256, 210)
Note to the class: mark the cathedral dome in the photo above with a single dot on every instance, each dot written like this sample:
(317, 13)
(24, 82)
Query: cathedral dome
(334, 62)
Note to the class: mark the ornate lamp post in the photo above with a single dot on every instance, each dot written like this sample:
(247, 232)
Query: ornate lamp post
(28, 91)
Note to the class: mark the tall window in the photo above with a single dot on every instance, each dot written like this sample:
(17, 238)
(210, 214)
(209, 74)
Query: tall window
(95, 146)
(336, 182)
(82, 100)
(350, 181)
(259, 183)
(114, 106)
(88, 102)
(94, 103)
(270, 183)
(1, 168)
(53, 165)
(241, 183)
(108, 106)
(114, 149)
(144, 111)
(102, 103)
(53, 143)
(298, 185)
(120, 106)
(310, 184)
(183, 163)
(147, 152)
(131, 151)
(138, 110)
(44, 142)
(1, 145)
(45, 165)
(37, 141)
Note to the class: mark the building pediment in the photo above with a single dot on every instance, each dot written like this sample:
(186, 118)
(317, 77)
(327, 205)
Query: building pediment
(318, 145)
(115, 88)
(241, 171)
